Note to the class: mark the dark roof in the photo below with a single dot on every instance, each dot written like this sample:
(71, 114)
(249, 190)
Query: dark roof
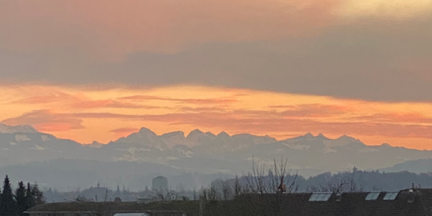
(127, 207)
(415, 202)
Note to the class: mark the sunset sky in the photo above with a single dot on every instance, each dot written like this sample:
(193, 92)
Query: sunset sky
(98, 70)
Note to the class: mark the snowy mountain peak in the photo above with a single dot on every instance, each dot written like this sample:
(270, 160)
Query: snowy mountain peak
(222, 138)
(223, 135)
(198, 137)
(146, 131)
(17, 129)
(348, 138)
(144, 137)
(176, 138)
(386, 145)
(173, 134)
(253, 139)
(210, 134)
(308, 135)
(321, 136)
(95, 144)
(195, 132)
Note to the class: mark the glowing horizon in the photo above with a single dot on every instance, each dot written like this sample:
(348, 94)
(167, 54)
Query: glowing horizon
(105, 115)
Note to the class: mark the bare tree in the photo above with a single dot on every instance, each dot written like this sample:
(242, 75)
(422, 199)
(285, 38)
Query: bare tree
(353, 186)
(277, 182)
(195, 196)
(256, 178)
(280, 179)
(237, 187)
(338, 184)
(204, 194)
(227, 192)
(210, 194)
(281, 182)
(214, 194)
(207, 195)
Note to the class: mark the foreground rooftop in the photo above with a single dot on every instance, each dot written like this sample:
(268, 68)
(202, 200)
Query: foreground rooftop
(409, 202)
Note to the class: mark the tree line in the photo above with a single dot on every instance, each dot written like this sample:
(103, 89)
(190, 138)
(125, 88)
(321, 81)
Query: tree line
(14, 203)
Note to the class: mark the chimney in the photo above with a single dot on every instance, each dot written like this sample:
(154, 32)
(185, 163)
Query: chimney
(413, 185)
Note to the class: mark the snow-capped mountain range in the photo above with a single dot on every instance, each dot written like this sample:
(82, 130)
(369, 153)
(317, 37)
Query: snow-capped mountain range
(205, 152)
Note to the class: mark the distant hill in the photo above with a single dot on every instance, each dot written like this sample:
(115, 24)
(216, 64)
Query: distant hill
(414, 166)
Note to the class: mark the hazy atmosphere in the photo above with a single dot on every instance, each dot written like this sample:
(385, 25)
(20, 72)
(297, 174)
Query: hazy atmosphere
(118, 92)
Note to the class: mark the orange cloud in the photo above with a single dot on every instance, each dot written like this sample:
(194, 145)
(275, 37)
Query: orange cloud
(51, 97)
(313, 110)
(107, 114)
(47, 121)
(80, 102)
(188, 101)
(220, 108)
(121, 132)
(397, 118)
(111, 104)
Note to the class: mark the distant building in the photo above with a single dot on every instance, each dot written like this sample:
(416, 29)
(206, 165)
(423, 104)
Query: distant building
(160, 183)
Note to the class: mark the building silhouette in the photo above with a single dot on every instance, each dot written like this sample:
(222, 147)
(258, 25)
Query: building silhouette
(160, 183)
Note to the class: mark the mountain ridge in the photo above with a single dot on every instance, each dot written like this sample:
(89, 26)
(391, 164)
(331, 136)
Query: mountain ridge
(17, 129)
(205, 152)
(146, 132)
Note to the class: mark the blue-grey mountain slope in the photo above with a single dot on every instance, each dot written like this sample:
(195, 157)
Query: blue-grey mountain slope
(204, 152)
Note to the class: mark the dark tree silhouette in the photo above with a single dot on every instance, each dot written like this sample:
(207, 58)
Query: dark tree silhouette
(30, 199)
(21, 198)
(237, 187)
(0, 199)
(8, 205)
(37, 194)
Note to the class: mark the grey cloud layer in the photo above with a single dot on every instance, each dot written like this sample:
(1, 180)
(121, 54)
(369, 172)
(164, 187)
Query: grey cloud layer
(371, 60)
